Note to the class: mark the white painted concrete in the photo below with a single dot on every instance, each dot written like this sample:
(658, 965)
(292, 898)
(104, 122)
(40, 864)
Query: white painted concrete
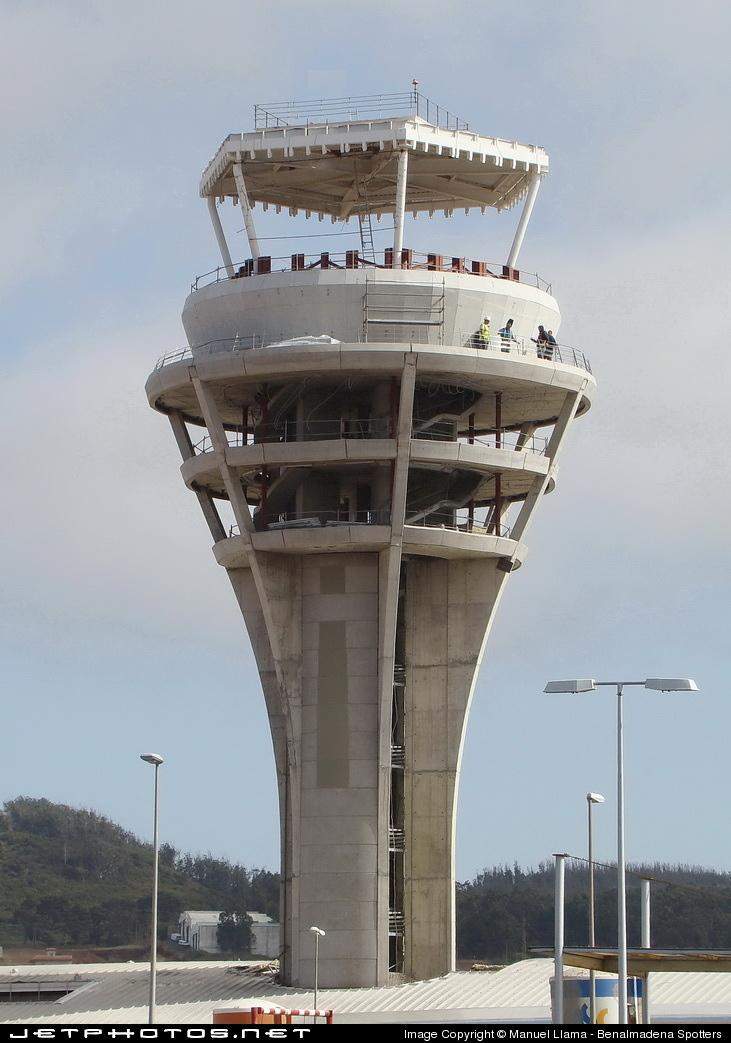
(286, 304)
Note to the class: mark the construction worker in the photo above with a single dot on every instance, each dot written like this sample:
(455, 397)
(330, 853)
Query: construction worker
(507, 335)
(484, 333)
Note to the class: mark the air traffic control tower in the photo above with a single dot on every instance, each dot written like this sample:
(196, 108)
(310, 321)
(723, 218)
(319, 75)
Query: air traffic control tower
(368, 465)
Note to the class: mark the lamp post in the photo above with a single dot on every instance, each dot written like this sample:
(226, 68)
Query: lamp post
(156, 760)
(657, 684)
(318, 933)
(591, 800)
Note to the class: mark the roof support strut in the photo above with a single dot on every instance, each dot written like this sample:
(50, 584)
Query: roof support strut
(246, 210)
(535, 181)
(398, 235)
(220, 236)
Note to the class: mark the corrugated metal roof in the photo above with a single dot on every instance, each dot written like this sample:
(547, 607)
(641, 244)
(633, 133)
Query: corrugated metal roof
(188, 993)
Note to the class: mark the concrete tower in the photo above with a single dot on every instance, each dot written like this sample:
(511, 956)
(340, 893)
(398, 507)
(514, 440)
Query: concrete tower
(382, 461)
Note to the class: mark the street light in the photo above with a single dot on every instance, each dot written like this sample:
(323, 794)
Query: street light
(591, 800)
(656, 684)
(156, 760)
(318, 933)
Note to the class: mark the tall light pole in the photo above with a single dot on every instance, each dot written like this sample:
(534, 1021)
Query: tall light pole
(656, 684)
(156, 760)
(591, 800)
(318, 933)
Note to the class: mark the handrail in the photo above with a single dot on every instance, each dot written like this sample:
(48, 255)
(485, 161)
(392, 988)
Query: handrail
(343, 428)
(325, 518)
(410, 260)
(517, 347)
(320, 519)
(355, 108)
(443, 431)
(434, 521)
(338, 427)
(235, 439)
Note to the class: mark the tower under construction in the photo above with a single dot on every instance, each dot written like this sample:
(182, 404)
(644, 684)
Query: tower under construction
(369, 433)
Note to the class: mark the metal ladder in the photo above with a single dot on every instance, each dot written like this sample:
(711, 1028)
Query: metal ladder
(367, 249)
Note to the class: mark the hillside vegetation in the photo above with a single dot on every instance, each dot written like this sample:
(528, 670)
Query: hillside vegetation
(70, 877)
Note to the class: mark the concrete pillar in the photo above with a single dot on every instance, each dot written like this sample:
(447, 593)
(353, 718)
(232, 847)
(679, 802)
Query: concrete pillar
(449, 609)
(534, 185)
(399, 213)
(220, 236)
(246, 210)
(325, 723)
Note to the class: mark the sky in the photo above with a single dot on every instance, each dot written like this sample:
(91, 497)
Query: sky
(120, 634)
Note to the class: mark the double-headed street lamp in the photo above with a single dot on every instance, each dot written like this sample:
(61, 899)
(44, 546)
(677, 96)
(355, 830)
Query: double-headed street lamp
(656, 684)
(156, 760)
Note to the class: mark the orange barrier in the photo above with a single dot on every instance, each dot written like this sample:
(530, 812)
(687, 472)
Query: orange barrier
(268, 1016)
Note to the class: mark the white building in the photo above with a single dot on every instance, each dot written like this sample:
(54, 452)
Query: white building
(265, 936)
(199, 930)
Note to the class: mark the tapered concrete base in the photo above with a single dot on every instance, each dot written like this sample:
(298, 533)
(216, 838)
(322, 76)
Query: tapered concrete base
(325, 722)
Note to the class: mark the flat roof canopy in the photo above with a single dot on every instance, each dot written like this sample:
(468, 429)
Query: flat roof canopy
(348, 168)
(644, 961)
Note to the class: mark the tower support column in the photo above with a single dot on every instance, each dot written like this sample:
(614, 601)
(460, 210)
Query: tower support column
(535, 184)
(220, 236)
(400, 211)
(450, 606)
(246, 210)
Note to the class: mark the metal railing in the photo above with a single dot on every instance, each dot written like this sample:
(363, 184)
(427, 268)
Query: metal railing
(320, 519)
(411, 260)
(448, 521)
(354, 108)
(327, 518)
(443, 431)
(340, 428)
(518, 347)
(235, 439)
(294, 431)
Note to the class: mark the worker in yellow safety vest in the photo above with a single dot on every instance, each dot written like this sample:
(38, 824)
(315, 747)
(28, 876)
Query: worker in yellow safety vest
(484, 334)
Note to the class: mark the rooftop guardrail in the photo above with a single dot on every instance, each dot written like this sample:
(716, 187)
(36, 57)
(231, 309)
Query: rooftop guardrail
(355, 107)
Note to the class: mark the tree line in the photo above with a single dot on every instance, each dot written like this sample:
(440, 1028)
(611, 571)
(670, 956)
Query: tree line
(504, 912)
(71, 877)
